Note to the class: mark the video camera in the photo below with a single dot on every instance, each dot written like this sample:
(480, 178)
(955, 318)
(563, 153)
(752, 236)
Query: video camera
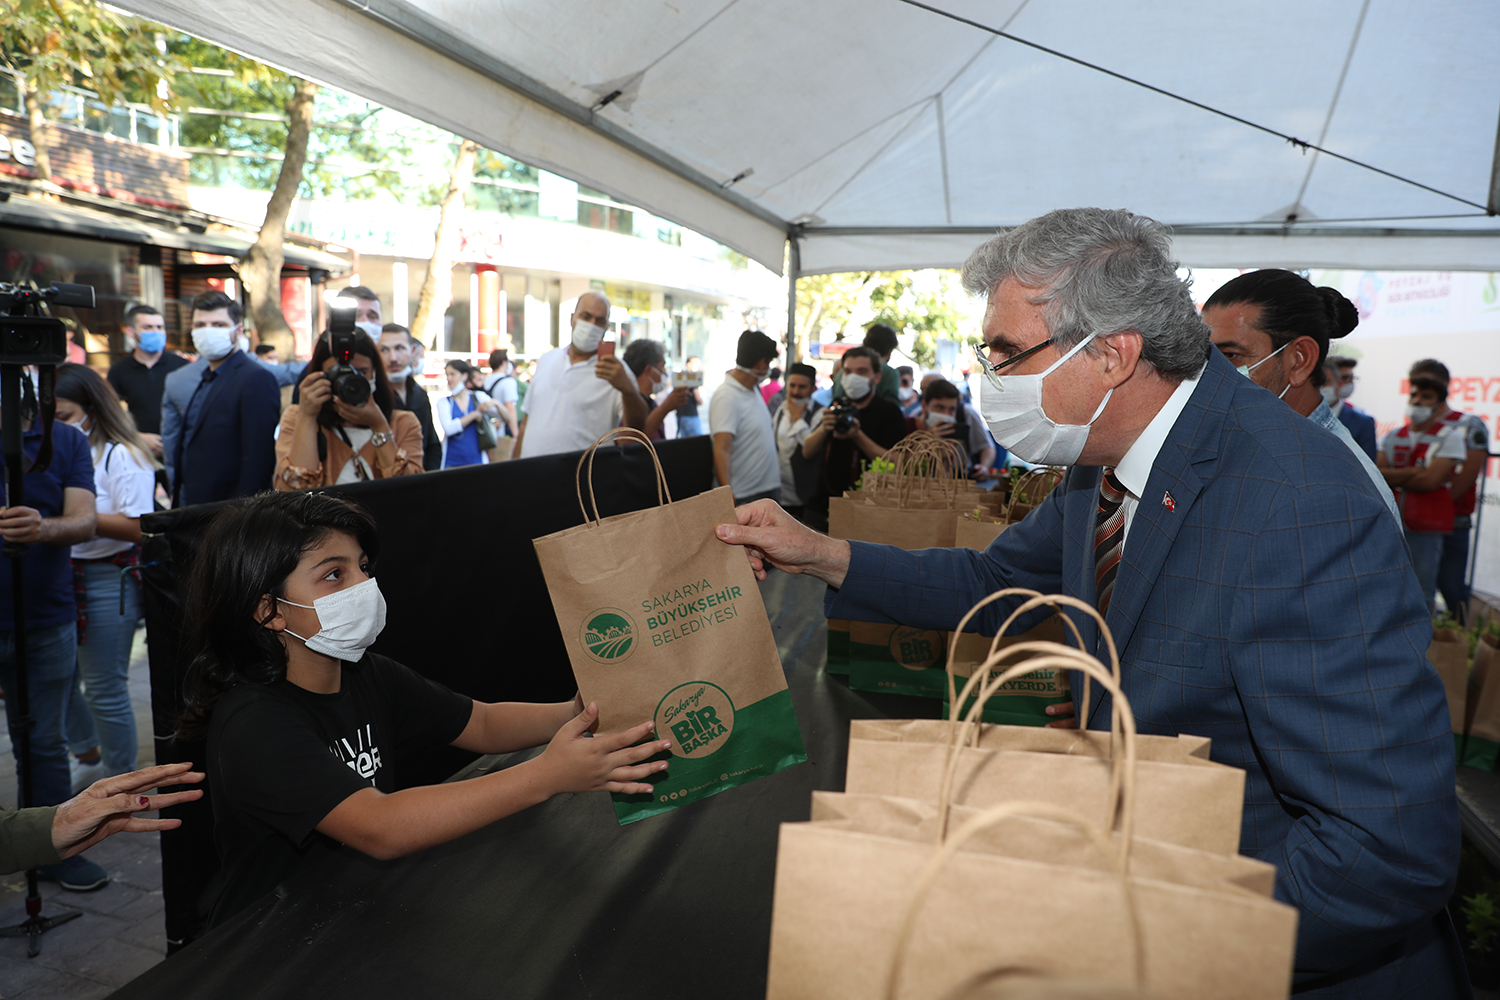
(348, 384)
(27, 337)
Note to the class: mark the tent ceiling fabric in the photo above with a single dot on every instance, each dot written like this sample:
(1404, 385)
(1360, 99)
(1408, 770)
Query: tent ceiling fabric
(897, 135)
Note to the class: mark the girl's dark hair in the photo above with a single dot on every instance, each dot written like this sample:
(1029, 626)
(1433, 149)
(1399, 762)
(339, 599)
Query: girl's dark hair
(81, 385)
(461, 366)
(1291, 307)
(365, 346)
(249, 551)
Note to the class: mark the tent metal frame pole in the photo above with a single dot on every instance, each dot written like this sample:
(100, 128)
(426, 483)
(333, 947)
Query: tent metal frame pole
(1493, 204)
(1268, 230)
(793, 269)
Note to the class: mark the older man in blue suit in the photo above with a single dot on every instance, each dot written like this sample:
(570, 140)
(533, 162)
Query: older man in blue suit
(1255, 582)
(219, 414)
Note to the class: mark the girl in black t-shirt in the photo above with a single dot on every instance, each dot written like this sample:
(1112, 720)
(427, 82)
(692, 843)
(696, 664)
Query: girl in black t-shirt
(305, 727)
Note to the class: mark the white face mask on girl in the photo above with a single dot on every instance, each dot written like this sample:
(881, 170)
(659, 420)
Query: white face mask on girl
(1012, 407)
(349, 621)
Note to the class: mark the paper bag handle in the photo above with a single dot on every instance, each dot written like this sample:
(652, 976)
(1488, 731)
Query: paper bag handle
(1058, 601)
(990, 817)
(953, 710)
(1122, 766)
(1025, 481)
(663, 493)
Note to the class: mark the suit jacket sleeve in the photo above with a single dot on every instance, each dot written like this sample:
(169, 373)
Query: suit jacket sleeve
(260, 407)
(934, 588)
(171, 429)
(1328, 653)
(1365, 437)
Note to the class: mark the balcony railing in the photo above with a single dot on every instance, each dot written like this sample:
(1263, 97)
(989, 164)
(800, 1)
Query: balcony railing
(83, 109)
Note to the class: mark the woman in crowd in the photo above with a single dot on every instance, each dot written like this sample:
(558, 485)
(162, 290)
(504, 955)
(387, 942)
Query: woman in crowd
(306, 729)
(108, 587)
(463, 408)
(324, 441)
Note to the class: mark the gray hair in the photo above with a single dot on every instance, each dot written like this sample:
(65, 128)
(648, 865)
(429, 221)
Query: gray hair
(1101, 271)
(642, 354)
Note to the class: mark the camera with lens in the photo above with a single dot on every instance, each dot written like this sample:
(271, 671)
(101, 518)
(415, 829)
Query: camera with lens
(844, 415)
(348, 384)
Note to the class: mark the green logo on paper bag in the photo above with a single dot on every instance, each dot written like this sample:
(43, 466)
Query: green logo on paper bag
(700, 717)
(609, 635)
(916, 649)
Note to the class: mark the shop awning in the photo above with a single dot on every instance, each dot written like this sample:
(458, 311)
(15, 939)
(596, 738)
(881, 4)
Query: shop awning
(895, 133)
(29, 213)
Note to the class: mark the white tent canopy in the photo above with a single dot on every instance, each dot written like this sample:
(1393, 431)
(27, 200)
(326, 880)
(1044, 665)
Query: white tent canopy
(887, 134)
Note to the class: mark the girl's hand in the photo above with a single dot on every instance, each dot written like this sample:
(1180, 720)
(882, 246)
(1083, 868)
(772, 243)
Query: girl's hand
(609, 762)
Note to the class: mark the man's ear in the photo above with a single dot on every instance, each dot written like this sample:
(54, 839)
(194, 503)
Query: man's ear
(268, 613)
(1302, 358)
(1122, 353)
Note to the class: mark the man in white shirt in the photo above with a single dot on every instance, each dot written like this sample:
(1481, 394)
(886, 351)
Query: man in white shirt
(744, 441)
(575, 395)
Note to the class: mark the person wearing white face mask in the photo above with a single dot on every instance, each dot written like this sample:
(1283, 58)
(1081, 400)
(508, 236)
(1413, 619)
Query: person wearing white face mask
(1253, 580)
(871, 425)
(219, 414)
(1418, 460)
(944, 414)
(576, 395)
(1275, 327)
(325, 441)
(306, 727)
(1357, 421)
(744, 443)
(649, 359)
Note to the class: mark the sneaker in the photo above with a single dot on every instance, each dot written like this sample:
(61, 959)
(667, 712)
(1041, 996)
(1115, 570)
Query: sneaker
(77, 873)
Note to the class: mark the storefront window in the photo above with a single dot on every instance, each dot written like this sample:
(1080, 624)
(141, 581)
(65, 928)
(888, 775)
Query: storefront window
(43, 258)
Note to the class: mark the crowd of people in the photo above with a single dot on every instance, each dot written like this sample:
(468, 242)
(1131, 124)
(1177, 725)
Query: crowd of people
(1276, 597)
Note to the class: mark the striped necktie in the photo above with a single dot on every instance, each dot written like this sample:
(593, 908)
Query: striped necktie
(1109, 537)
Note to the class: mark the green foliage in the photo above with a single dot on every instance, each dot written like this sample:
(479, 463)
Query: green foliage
(827, 301)
(81, 43)
(928, 315)
(1482, 920)
(356, 150)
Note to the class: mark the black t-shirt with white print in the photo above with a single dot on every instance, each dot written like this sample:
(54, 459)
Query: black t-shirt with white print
(280, 758)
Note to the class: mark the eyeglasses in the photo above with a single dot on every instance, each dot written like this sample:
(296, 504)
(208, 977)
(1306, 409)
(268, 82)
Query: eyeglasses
(1348, 379)
(984, 359)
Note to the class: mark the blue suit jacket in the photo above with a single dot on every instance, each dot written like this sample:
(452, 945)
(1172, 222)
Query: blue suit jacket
(231, 450)
(1272, 608)
(1361, 427)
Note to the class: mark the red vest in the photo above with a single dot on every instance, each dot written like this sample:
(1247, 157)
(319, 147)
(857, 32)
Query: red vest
(1432, 511)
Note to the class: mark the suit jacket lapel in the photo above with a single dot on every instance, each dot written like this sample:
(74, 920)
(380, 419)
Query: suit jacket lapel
(1180, 472)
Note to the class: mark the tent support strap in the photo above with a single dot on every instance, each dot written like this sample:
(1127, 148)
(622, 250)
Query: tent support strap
(793, 268)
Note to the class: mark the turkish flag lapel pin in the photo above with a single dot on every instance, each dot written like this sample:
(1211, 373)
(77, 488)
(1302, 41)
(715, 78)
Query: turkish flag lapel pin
(1168, 502)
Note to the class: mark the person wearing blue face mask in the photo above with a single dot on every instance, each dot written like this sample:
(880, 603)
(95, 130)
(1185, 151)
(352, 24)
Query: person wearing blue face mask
(138, 377)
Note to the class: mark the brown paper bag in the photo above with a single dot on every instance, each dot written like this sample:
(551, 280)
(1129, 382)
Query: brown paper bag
(1481, 744)
(1185, 799)
(971, 534)
(1449, 654)
(663, 621)
(1183, 924)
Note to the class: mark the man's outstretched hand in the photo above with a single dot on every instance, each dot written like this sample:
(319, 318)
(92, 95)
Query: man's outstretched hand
(109, 805)
(772, 537)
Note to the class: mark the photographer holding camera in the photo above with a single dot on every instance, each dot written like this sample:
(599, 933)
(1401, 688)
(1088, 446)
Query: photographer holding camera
(855, 429)
(344, 428)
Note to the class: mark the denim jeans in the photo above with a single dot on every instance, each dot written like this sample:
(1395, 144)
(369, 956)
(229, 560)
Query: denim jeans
(104, 662)
(1426, 548)
(1453, 568)
(688, 427)
(51, 658)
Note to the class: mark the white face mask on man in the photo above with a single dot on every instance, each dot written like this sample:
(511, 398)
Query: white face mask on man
(856, 386)
(215, 342)
(1012, 407)
(586, 337)
(349, 621)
